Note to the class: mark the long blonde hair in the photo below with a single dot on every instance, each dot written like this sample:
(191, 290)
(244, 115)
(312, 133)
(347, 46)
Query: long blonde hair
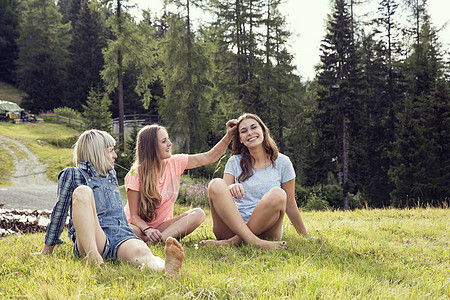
(148, 163)
(246, 159)
(91, 146)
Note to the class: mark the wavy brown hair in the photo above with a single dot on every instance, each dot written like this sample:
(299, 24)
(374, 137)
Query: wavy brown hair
(246, 159)
(148, 163)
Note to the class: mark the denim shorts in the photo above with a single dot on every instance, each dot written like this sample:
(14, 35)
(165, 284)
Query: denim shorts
(115, 236)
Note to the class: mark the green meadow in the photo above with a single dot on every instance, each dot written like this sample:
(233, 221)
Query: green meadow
(361, 254)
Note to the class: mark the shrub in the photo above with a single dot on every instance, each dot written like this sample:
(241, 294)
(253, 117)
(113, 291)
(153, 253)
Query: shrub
(355, 201)
(316, 202)
(123, 164)
(68, 142)
(334, 195)
(213, 170)
(301, 195)
(68, 113)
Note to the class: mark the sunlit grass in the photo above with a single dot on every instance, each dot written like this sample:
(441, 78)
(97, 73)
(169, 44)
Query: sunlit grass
(43, 139)
(6, 166)
(369, 254)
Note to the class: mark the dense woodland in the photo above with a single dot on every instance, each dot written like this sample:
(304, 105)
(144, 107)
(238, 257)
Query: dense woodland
(371, 127)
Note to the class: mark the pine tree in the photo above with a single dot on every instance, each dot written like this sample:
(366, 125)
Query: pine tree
(339, 105)
(184, 71)
(281, 89)
(96, 111)
(239, 60)
(70, 9)
(42, 60)
(125, 49)
(9, 32)
(88, 41)
(374, 162)
(418, 159)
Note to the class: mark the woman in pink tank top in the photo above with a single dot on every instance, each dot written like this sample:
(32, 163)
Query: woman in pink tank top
(154, 181)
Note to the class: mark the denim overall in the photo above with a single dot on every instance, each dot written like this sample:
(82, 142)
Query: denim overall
(111, 216)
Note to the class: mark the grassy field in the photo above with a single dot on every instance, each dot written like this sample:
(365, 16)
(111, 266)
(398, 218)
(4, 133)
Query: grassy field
(51, 143)
(364, 254)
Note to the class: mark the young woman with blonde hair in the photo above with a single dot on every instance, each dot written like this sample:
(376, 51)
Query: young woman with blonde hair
(257, 189)
(154, 181)
(98, 226)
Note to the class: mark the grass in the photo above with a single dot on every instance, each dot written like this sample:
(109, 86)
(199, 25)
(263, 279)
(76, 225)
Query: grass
(6, 166)
(10, 93)
(368, 254)
(51, 143)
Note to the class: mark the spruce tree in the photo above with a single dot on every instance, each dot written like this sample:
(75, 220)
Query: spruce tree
(86, 57)
(281, 89)
(418, 159)
(96, 111)
(42, 60)
(339, 105)
(184, 71)
(9, 32)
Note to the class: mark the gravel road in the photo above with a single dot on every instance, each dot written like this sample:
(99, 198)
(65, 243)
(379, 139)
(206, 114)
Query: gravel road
(30, 187)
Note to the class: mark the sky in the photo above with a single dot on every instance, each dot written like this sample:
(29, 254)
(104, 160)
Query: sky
(306, 19)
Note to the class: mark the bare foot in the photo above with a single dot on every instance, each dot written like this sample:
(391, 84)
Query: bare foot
(268, 245)
(174, 256)
(95, 258)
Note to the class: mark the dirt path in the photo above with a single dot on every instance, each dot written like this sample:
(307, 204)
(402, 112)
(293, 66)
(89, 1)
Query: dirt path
(30, 187)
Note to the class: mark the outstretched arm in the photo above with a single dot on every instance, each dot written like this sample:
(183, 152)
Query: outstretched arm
(201, 159)
(292, 208)
(68, 179)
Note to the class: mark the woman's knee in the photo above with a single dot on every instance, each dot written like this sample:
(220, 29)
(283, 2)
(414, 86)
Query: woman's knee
(198, 216)
(277, 197)
(82, 194)
(217, 185)
(134, 251)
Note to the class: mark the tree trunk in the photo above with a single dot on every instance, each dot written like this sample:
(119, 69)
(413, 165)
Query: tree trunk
(344, 160)
(120, 84)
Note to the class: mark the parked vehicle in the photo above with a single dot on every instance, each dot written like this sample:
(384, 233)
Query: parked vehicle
(12, 111)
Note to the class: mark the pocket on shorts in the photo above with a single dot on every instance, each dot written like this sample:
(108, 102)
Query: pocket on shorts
(110, 226)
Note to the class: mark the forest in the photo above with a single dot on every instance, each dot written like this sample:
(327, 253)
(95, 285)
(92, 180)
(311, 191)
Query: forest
(370, 129)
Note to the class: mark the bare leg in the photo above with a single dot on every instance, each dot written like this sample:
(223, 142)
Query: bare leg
(178, 227)
(267, 218)
(183, 224)
(91, 239)
(137, 253)
(227, 221)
